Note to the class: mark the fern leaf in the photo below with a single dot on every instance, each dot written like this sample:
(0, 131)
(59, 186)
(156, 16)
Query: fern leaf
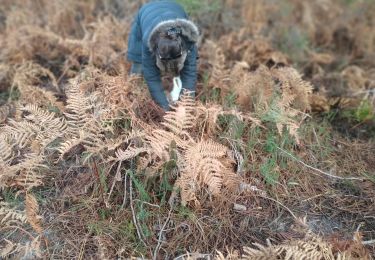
(129, 153)
(50, 126)
(5, 111)
(67, 146)
(9, 249)
(160, 140)
(32, 209)
(20, 133)
(203, 165)
(78, 106)
(188, 188)
(219, 75)
(9, 215)
(182, 117)
(211, 149)
(6, 152)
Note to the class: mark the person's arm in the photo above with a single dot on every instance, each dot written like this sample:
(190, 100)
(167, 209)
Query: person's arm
(189, 72)
(151, 74)
(134, 51)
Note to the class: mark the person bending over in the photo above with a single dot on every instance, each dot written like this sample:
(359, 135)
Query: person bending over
(163, 41)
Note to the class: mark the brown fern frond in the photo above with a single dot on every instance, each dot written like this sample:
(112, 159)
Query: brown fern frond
(279, 95)
(135, 136)
(231, 181)
(85, 121)
(20, 133)
(102, 248)
(188, 189)
(67, 146)
(27, 180)
(36, 124)
(9, 248)
(31, 73)
(32, 209)
(6, 174)
(219, 74)
(311, 247)
(115, 92)
(42, 97)
(78, 107)
(159, 142)
(50, 126)
(254, 89)
(37, 85)
(207, 117)
(27, 172)
(129, 153)
(182, 117)
(9, 215)
(295, 91)
(6, 111)
(212, 149)
(211, 173)
(6, 152)
(203, 165)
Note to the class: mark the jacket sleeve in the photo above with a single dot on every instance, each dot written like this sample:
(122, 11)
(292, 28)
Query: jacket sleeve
(152, 76)
(189, 72)
(134, 52)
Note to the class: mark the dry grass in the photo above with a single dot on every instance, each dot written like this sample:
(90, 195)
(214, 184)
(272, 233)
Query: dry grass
(90, 167)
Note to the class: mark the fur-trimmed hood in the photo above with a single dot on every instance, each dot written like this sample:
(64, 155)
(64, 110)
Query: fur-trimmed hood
(189, 32)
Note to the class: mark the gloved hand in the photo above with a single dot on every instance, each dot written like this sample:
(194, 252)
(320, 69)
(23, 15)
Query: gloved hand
(177, 87)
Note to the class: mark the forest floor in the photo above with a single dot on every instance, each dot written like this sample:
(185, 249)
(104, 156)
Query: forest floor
(274, 158)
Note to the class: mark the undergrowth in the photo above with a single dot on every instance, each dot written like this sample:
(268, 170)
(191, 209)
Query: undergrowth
(272, 160)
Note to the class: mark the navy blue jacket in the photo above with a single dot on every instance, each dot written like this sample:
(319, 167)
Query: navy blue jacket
(149, 19)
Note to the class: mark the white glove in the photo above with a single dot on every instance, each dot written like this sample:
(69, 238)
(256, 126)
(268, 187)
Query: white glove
(177, 87)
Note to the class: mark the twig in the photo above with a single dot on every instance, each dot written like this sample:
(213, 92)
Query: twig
(371, 91)
(157, 248)
(134, 217)
(318, 170)
(282, 205)
(368, 242)
(124, 200)
(147, 203)
(82, 248)
(238, 156)
(117, 178)
(193, 256)
(10, 91)
(21, 229)
(96, 172)
(316, 137)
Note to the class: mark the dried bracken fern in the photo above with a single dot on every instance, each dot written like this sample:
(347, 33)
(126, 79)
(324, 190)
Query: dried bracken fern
(8, 248)
(312, 247)
(104, 244)
(6, 111)
(216, 58)
(278, 95)
(37, 85)
(117, 93)
(203, 164)
(32, 209)
(9, 215)
(23, 144)
(94, 100)
(28, 250)
(83, 121)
